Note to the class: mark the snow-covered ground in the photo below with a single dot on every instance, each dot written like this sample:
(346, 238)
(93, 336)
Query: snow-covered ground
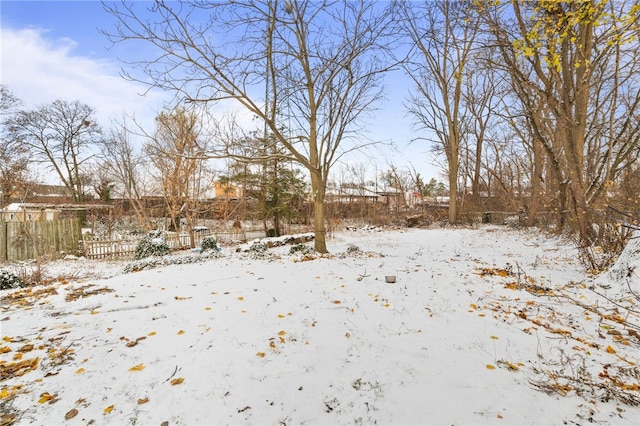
(482, 326)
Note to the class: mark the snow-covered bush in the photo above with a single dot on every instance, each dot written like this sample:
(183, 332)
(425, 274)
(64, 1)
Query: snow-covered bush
(152, 244)
(209, 243)
(299, 248)
(155, 261)
(259, 250)
(9, 280)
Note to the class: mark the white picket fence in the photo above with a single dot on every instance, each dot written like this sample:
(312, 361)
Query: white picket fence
(111, 249)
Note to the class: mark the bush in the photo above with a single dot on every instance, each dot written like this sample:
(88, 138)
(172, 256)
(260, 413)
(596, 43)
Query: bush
(209, 243)
(152, 244)
(301, 249)
(9, 280)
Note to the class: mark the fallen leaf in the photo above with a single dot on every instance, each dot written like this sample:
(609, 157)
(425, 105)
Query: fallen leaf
(282, 333)
(279, 316)
(71, 414)
(181, 332)
(610, 350)
(177, 380)
(46, 397)
(490, 367)
(260, 354)
(494, 337)
(108, 409)
(80, 370)
(26, 348)
(153, 333)
(138, 367)
(143, 400)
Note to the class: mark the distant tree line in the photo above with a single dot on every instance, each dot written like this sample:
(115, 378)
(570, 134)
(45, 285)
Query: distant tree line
(533, 104)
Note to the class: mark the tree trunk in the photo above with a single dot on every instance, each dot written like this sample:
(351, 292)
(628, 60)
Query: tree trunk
(453, 180)
(318, 185)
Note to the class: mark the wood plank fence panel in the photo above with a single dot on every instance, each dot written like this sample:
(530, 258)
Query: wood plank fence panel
(26, 240)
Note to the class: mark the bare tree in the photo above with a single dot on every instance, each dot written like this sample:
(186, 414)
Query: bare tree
(174, 150)
(62, 135)
(574, 67)
(14, 159)
(315, 65)
(124, 165)
(442, 33)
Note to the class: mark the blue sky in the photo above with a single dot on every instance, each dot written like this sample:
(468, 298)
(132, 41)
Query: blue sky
(53, 50)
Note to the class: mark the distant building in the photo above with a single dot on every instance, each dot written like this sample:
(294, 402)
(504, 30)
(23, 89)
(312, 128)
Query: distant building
(19, 212)
(226, 190)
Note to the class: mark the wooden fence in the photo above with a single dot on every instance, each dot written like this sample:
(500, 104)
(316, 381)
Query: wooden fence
(27, 240)
(111, 249)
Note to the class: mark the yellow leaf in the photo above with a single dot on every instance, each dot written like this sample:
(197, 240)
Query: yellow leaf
(7, 339)
(240, 298)
(153, 333)
(177, 381)
(282, 333)
(108, 409)
(80, 370)
(138, 367)
(4, 393)
(46, 397)
(279, 316)
(336, 302)
(208, 308)
(610, 350)
(143, 400)
(17, 356)
(494, 337)
(181, 332)
(261, 354)
(490, 367)
(5, 349)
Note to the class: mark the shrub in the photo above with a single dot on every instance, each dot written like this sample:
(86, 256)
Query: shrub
(209, 243)
(152, 244)
(301, 249)
(9, 280)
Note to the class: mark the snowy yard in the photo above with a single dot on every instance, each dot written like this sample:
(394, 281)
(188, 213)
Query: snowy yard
(482, 326)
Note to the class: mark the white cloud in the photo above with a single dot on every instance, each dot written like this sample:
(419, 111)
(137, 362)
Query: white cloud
(39, 70)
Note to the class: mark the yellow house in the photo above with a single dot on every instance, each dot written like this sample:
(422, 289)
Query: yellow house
(226, 190)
